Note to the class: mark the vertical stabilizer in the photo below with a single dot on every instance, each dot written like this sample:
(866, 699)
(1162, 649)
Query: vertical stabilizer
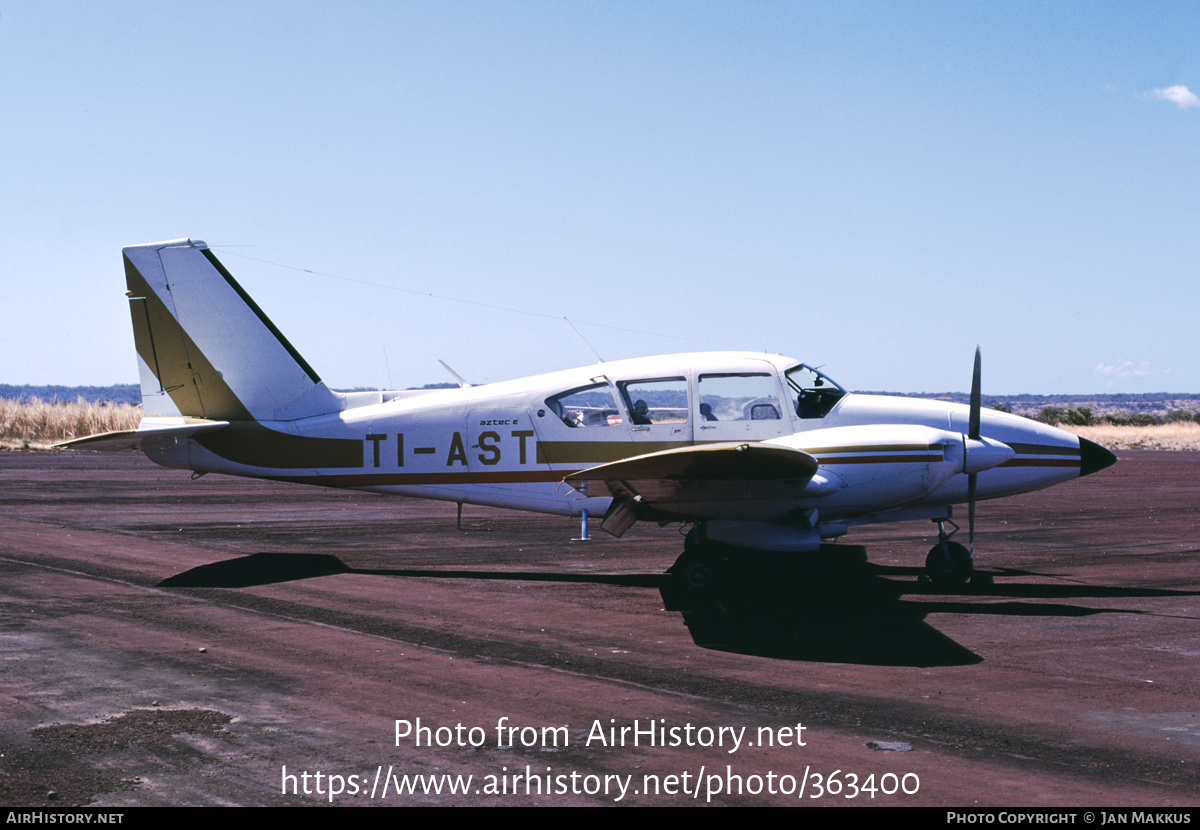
(205, 348)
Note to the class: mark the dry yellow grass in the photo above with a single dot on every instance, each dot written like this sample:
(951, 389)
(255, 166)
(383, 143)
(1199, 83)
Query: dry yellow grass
(1182, 435)
(38, 424)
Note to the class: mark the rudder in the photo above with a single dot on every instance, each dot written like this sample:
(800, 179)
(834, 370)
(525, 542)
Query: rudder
(205, 348)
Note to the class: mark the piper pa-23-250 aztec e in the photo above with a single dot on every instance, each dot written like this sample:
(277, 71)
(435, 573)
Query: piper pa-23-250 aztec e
(754, 450)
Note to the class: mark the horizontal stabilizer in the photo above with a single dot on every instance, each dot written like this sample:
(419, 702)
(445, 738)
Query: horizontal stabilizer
(136, 439)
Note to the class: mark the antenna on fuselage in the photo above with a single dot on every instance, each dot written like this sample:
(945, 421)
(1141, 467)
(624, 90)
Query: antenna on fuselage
(457, 377)
(584, 339)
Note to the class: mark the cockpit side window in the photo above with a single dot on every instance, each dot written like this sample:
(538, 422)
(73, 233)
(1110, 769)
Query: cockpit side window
(739, 397)
(661, 401)
(589, 406)
(813, 394)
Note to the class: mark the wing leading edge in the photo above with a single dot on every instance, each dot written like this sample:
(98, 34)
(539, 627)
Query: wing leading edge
(699, 482)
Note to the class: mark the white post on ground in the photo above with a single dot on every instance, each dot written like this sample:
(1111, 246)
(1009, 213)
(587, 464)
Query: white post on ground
(583, 530)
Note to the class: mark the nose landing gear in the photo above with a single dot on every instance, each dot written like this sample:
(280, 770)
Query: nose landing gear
(948, 562)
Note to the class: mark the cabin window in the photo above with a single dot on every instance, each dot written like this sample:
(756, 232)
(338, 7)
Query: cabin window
(661, 401)
(590, 406)
(740, 397)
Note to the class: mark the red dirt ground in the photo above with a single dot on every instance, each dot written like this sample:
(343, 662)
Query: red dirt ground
(189, 640)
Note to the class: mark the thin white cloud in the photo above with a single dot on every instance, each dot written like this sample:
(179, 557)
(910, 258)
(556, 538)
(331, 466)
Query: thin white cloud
(1128, 369)
(1178, 94)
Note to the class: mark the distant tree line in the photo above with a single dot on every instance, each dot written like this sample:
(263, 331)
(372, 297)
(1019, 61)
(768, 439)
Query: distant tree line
(1070, 415)
(1082, 417)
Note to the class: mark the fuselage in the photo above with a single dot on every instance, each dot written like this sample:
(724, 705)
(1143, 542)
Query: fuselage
(755, 449)
(511, 444)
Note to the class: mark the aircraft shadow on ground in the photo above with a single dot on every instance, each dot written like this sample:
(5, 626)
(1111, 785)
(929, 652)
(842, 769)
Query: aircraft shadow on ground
(832, 606)
(271, 568)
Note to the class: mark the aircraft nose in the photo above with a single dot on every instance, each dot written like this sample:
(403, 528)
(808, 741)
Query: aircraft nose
(1093, 457)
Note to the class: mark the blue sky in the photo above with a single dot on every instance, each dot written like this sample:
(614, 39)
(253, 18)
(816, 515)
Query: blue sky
(876, 187)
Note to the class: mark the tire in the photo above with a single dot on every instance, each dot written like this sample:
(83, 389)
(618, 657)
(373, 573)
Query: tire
(948, 563)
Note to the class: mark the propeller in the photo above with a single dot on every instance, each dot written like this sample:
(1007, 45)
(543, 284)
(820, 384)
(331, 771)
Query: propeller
(973, 434)
(950, 562)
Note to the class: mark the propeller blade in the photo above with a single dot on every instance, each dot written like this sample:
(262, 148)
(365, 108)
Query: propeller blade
(973, 428)
(976, 396)
(971, 511)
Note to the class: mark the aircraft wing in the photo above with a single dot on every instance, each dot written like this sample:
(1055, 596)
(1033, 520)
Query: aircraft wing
(706, 481)
(148, 433)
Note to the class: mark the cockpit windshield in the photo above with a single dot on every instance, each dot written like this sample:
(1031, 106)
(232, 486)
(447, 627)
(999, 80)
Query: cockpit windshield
(813, 393)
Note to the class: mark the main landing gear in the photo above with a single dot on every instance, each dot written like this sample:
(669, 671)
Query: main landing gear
(702, 563)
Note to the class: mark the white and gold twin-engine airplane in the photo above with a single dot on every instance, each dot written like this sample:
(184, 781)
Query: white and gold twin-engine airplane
(754, 450)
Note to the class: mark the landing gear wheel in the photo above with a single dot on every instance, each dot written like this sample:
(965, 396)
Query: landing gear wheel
(948, 563)
(698, 574)
(696, 569)
(701, 564)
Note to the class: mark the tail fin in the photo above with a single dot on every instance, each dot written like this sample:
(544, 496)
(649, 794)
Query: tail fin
(205, 349)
